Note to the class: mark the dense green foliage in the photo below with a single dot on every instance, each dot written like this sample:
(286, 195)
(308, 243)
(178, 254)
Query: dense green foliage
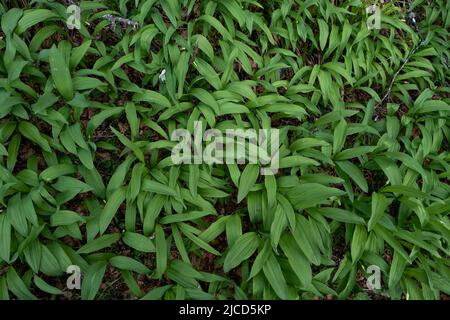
(86, 176)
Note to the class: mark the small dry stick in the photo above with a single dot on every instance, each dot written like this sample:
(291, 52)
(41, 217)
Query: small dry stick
(125, 22)
(412, 17)
(388, 93)
(111, 18)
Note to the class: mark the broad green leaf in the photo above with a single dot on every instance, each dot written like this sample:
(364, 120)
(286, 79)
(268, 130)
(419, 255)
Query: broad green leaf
(358, 242)
(110, 209)
(5, 238)
(100, 243)
(17, 286)
(60, 73)
(274, 275)
(296, 258)
(161, 251)
(127, 263)
(337, 214)
(44, 286)
(138, 242)
(242, 249)
(379, 205)
(92, 280)
(247, 180)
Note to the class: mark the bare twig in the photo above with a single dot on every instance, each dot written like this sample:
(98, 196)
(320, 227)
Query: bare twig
(111, 18)
(412, 19)
(123, 21)
(412, 52)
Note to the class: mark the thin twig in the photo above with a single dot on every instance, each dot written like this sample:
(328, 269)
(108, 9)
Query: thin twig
(413, 51)
(412, 18)
(111, 18)
(125, 22)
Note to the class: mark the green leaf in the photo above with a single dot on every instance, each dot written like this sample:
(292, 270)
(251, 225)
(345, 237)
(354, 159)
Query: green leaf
(354, 173)
(156, 293)
(29, 131)
(389, 238)
(101, 242)
(10, 19)
(242, 249)
(379, 205)
(174, 218)
(397, 268)
(339, 136)
(131, 282)
(32, 17)
(323, 33)
(297, 259)
(152, 213)
(129, 144)
(16, 215)
(161, 251)
(261, 259)
(56, 171)
(138, 242)
(358, 242)
(277, 227)
(92, 280)
(307, 195)
(78, 53)
(205, 97)
(5, 238)
(408, 161)
(159, 188)
(247, 180)
(60, 73)
(133, 120)
(217, 25)
(127, 263)
(405, 190)
(17, 286)
(337, 214)
(65, 218)
(353, 152)
(199, 242)
(110, 209)
(297, 161)
(44, 286)
(153, 97)
(274, 275)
